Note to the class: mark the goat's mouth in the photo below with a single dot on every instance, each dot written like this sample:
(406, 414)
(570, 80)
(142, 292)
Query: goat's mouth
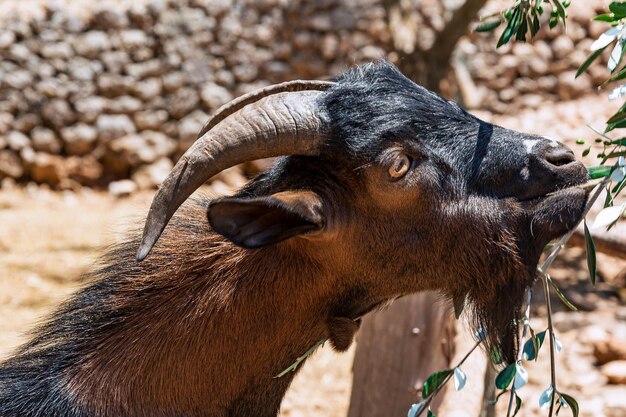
(557, 212)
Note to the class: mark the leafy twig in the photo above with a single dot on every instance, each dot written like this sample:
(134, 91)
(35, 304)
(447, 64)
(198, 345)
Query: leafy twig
(425, 403)
(299, 359)
(520, 353)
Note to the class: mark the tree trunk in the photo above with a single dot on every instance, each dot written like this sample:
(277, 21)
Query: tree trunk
(397, 349)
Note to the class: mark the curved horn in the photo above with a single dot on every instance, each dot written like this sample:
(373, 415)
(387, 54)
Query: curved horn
(279, 124)
(242, 101)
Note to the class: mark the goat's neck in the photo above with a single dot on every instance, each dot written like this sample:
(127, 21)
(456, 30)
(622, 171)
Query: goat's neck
(207, 342)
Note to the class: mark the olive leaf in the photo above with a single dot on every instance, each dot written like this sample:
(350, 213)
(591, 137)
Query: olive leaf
(435, 381)
(562, 296)
(591, 254)
(571, 402)
(416, 409)
(459, 379)
(546, 398)
(505, 377)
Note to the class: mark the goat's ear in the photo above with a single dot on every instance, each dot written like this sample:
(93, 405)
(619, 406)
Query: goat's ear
(263, 221)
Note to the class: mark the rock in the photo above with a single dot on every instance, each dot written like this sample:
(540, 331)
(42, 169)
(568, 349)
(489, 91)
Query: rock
(173, 81)
(615, 372)
(609, 349)
(145, 148)
(79, 139)
(190, 126)
(133, 39)
(57, 49)
(114, 61)
(10, 164)
(182, 102)
(17, 140)
(151, 176)
(45, 140)
(19, 53)
(570, 87)
(113, 85)
(89, 108)
(114, 126)
(214, 95)
(110, 18)
(141, 70)
(18, 79)
(57, 113)
(52, 88)
(92, 43)
(150, 120)
(562, 46)
(84, 70)
(140, 16)
(47, 169)
(6, 38)
(85, 170)
(6, 121)
(122, 188)
(147, 89)
(124, 105)
(26, 122)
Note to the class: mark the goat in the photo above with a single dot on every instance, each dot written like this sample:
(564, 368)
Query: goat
(384, 189)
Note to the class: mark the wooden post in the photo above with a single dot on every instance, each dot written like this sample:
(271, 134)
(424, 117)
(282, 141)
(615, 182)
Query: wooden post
(397, 349)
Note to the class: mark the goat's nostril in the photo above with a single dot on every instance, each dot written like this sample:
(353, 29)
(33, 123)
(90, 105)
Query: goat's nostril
(560, 157)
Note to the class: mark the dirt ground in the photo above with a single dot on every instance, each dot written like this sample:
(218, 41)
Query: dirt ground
(47, 239)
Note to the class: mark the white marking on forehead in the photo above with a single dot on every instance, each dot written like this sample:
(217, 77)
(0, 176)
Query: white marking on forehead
(553, 142)
(529, 144)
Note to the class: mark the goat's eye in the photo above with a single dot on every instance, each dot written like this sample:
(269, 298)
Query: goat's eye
(399, 166)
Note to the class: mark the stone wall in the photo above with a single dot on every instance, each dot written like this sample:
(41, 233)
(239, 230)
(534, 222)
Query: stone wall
(121, 91)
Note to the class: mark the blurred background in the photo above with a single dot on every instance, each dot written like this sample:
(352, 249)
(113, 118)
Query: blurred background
(99, 99)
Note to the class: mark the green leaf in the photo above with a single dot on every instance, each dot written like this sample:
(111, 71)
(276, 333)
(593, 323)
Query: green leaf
(521, 377)
(488, 26)
(586, 151)
(416, 409)
(435, 381)
(546, 398)
(591, 254)
(521, 30)
(599, 171)
(518, 404)
(510, 29)
(562, 296)
(606, 17)
(619, 115)
(583, 67)
(560, 10)
(533, 345)
(459, 304)
(616, 154)
(620, 75)
(573, 404)
(620, 142)
(430, 414)
(553, 22)
(618, 9)
(534, 27)
(505, 377)
(459, 379)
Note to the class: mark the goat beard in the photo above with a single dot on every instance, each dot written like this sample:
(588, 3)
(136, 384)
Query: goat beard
(496, 314)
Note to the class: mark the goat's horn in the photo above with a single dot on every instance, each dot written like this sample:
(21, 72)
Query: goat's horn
(249, 98)
(287, 123)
